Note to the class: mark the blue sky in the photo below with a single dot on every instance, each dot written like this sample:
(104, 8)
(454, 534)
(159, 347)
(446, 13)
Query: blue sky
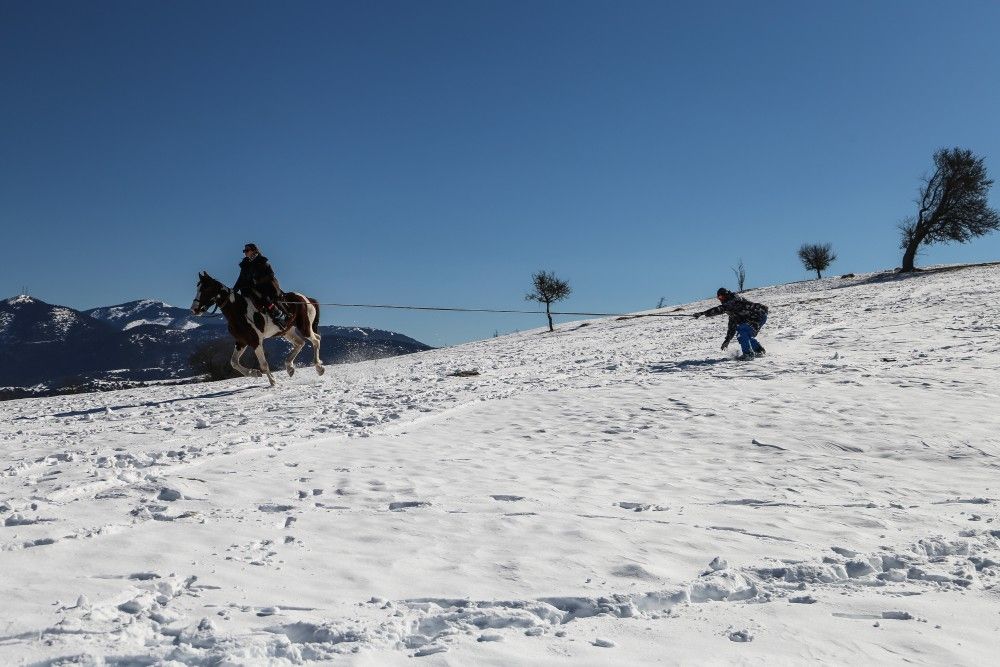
(437, 153)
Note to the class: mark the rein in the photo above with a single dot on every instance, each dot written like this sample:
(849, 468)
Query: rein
(220, 299)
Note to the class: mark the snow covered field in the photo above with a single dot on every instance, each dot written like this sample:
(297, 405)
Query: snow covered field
(617, 492)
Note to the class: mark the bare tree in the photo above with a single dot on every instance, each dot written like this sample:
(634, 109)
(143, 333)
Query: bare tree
(952, 204)
(741, 274)
(547, 289)
(660, 303)
(816, 257)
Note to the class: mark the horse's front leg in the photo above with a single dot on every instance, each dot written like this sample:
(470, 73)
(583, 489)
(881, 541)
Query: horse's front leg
(235, 362)
(262, 360)
(298, 342)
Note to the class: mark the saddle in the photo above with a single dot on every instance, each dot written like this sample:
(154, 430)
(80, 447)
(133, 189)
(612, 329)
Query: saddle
(274, 308)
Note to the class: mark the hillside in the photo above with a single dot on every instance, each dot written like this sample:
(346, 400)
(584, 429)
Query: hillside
(619, 491)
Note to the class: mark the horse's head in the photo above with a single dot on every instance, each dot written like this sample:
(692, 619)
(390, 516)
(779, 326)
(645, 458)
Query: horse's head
(208, 293)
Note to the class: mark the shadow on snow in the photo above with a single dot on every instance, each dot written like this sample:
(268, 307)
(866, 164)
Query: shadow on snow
(151, 404)
(675, 366)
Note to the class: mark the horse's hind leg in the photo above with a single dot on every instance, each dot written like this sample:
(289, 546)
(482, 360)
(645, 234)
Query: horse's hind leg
(298, 342)
(314, 339)
(235, 362)
(262, 360)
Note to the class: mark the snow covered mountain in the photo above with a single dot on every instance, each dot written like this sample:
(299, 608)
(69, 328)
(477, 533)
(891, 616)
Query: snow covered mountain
(616, 492)
(39, 342)
(23, 317)
(49, 347)
(138, 313)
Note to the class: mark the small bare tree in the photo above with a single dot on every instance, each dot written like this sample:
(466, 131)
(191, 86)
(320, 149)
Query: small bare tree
(741, 275)
(952, 204)
(211, 359)
(659, 304)
(547, 289)
(816, 257)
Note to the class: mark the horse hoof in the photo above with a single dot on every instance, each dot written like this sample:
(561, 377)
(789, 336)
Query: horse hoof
(320, 370)
(291, 371)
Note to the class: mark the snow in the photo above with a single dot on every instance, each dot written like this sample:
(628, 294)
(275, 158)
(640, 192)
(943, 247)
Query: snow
(161, 321)
(19, 300)
(137, 313)
(63, 320)
(619, 492)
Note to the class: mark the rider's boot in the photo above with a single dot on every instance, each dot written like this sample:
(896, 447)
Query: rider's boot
(277, 314)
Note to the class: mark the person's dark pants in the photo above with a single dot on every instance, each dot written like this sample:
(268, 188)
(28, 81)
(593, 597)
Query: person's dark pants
(267, 296)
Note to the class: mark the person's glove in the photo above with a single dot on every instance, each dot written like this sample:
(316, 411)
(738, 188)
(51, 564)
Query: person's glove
(725, 344)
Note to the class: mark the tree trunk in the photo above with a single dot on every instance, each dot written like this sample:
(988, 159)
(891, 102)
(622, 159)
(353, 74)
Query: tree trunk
(910, 255)
(549, 314)
(818, 274)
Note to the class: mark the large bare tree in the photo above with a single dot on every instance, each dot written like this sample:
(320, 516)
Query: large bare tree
(952, 204)
(547, 289)
(816, 257)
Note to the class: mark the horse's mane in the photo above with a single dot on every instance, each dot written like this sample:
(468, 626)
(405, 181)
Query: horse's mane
(204, 276)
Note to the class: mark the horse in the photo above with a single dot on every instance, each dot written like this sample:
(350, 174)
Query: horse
(249, 325)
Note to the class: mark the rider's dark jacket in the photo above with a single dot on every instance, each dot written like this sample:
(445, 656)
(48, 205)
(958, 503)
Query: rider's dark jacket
(257, 275)
(740, 311)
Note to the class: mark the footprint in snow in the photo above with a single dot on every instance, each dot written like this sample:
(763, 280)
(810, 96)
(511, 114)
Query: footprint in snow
(633, 571)
(407, 504)
(506, 498)
(41, 542)
(273, 507)
(169, 495)
(641, 507)
(635, 507)
(21, 520)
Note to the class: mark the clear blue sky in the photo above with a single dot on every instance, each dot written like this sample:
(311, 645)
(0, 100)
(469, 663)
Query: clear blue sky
(437, 153)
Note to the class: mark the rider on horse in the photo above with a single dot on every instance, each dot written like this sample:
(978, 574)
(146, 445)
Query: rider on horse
(258, 283)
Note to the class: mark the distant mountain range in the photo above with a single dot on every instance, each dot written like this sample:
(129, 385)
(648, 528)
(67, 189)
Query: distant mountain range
(45, 348)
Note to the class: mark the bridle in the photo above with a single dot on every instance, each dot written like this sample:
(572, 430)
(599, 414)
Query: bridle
(223, 295)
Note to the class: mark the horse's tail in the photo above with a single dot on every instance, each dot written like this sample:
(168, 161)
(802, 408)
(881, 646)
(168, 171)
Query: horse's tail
(315, 322)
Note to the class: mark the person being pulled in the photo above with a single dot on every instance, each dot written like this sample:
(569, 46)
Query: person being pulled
(745, 321)
(258, 283)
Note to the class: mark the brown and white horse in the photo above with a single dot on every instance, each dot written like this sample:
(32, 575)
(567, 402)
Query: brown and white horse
(249, 326)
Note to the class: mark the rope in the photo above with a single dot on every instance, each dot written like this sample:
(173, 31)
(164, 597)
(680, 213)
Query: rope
(484, 310)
